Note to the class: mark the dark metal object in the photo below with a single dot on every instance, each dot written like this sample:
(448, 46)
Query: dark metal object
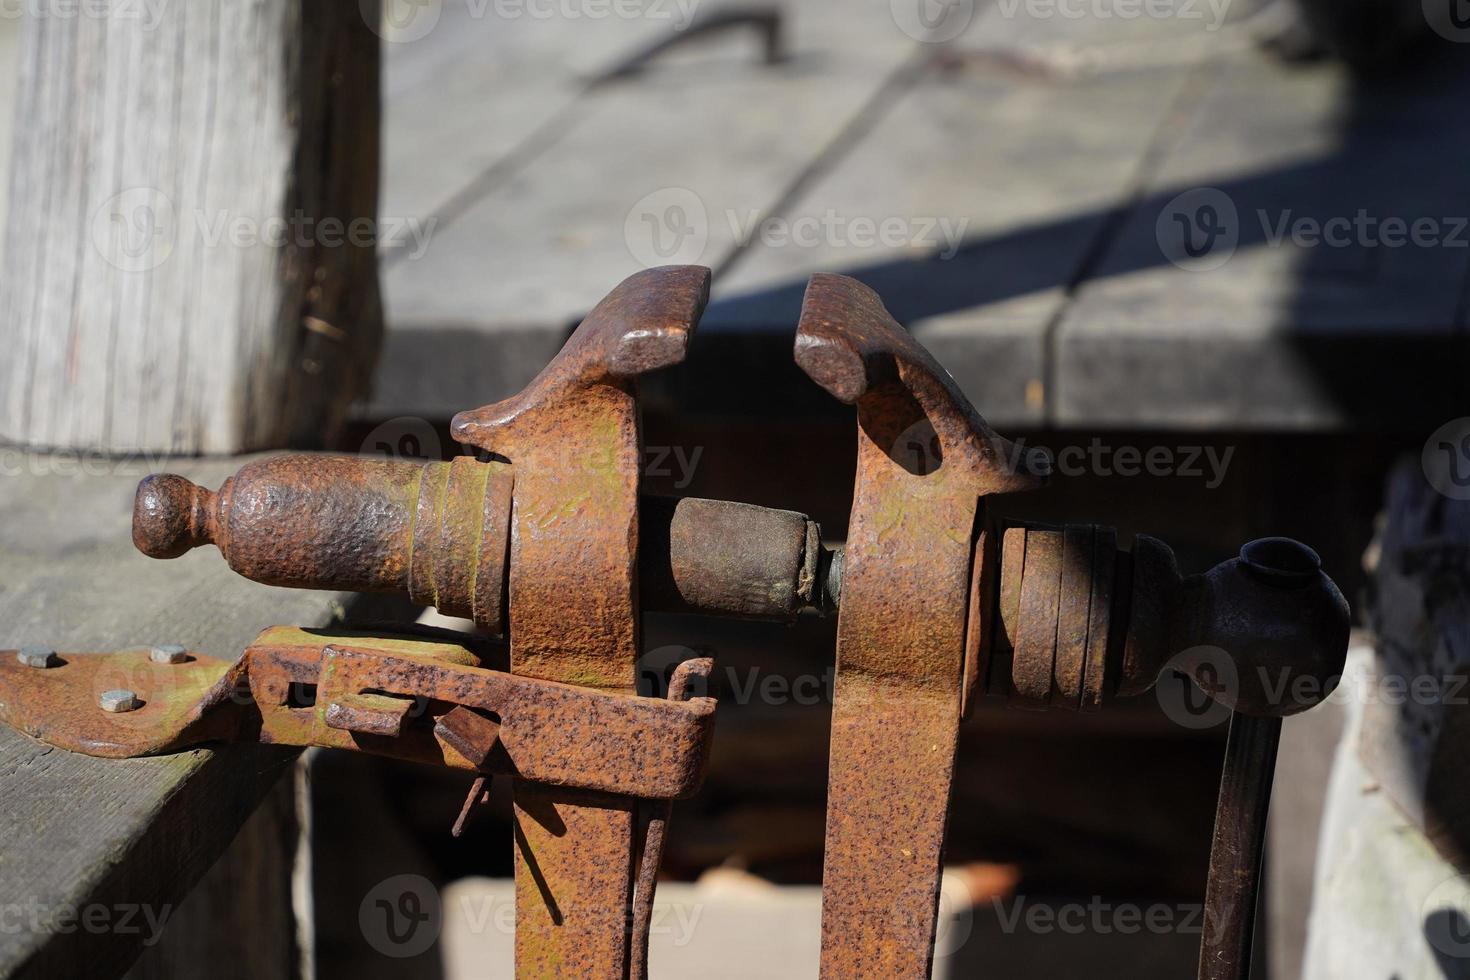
(437, 532)
(1235, 854)
(1083, 623)
(725, 558)
(765, 20)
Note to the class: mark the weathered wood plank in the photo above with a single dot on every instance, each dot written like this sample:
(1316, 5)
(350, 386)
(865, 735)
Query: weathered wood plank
(85, 833)
(709, 130)
(473, 87)
(996, 186)
(190, 236)
(240, 919)
(1271, 329)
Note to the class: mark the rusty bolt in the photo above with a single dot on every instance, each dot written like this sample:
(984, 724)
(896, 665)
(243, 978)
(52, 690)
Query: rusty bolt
(34, 656)
(119, 701)
(168, 653)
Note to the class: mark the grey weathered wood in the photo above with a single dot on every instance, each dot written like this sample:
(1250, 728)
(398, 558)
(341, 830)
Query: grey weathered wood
(173, 282)
(239, 920)
(1287, 336)
(1027, 171)
(1061, 139)
(77, 831)
(542, 238)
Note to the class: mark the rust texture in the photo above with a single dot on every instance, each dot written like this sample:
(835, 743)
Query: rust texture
(925, 459)
(573, 437)
(440, 534)
(437, 532)
(406, 698)
(723, 557)
(1247, 632)
(546, 542)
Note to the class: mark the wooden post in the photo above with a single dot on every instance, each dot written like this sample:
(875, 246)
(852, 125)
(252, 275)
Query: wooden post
(190, 253)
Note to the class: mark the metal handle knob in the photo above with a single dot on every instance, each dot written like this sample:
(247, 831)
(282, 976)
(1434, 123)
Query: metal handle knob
(1080, 622)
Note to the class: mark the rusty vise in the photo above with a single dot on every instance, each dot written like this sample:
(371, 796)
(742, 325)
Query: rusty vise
(542, 539)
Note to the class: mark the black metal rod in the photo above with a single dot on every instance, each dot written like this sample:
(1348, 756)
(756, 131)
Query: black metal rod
(1235, 855)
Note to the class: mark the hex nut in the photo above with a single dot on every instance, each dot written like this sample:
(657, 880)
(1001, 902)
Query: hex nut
(35, 656)
(168, 653)
(119, 701)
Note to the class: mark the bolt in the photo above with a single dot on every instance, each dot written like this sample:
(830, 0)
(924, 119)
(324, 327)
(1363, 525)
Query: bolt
(168, 653)
(33, 656)
(119, 701)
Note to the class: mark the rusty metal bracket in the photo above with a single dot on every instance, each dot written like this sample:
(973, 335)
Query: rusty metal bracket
(391, 696)
(926, 460)
(573, 437)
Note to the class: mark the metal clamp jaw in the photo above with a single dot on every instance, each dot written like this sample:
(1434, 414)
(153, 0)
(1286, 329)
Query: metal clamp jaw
(547, 543)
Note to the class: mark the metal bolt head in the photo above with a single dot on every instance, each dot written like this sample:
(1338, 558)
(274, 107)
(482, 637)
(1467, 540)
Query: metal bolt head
(118, 701)
(34, 656)
(168, 653)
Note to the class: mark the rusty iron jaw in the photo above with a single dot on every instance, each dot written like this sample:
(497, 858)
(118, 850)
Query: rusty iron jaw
(926, 459)
(573, 437)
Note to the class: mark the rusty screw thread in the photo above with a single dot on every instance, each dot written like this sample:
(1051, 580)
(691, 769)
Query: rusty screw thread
(1061, 641)
(439, 533)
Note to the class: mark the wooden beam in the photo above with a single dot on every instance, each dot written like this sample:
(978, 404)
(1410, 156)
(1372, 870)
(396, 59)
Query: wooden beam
(191, 260)
(81, 833)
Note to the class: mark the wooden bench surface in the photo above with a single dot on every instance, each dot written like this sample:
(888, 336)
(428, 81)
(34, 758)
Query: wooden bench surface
(115, 835)
(1060, 145)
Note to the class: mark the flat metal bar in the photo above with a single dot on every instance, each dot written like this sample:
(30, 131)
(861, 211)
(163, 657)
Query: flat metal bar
(1235, 855)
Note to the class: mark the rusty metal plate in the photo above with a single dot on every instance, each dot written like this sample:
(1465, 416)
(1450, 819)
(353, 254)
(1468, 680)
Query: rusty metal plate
(925, 458)
(573, 438)
(286, 686)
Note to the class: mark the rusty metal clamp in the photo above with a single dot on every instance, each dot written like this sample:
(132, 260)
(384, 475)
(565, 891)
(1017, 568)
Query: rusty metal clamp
(936, 611)
(538, 543)
(901, 632)
(545, 541)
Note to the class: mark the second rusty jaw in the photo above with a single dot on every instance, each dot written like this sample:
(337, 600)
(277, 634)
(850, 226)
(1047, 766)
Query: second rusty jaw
(548, 543)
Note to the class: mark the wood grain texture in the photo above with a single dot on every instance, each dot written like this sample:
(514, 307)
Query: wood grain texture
(80, 832)
(239, 920)
(568, 210)
(190, 254)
